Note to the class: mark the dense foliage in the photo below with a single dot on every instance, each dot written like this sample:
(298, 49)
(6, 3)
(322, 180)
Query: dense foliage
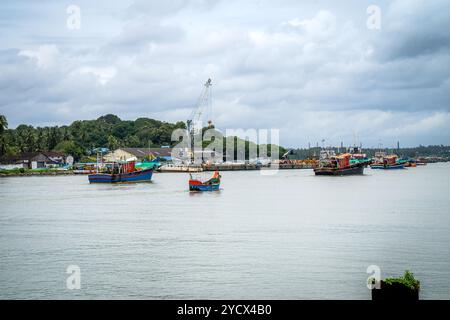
(407, 280)
(80, 137)
(420, 151)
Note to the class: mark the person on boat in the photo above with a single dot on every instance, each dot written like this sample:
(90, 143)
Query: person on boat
(216, 175)
(214, 179)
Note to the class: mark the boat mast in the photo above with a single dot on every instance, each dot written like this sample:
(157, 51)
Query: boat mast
(99, 159)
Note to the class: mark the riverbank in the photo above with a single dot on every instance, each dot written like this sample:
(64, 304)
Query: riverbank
(29, 173)
(164, 169)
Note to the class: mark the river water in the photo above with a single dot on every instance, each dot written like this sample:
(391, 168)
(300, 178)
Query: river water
(291, 235)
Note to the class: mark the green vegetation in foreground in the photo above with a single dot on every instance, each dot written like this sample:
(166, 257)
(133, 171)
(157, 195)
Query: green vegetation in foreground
(407, 280)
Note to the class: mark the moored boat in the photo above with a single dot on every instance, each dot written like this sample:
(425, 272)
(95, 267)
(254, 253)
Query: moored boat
(387, 162)
(410, 164)
(338, 165)
(211, 184)
(387, 166)
(358, 157)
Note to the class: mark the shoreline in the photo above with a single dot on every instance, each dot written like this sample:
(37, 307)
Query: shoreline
(34, 174)
(174, 170)
(206, 169)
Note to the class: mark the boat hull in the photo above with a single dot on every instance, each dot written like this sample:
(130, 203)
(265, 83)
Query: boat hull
(196, 185)
(136, 176)
(204, 187)
(354, 170)
(388, 167)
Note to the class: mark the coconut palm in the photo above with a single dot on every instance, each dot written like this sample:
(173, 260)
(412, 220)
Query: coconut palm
(3, 141)
(3, 124)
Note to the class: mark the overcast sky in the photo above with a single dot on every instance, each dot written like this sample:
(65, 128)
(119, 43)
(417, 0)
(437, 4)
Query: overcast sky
(313, 69)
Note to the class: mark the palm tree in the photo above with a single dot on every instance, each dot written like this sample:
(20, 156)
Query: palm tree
(3, 127)
(3, 124)
(30, 140)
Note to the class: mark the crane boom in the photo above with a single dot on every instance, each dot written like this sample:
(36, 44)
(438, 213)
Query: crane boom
(203, 105)
(194, 123)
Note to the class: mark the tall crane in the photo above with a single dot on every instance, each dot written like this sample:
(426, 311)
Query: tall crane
(204, 106)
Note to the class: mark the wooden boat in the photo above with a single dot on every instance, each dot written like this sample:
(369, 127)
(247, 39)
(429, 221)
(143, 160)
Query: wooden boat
(210, 185)
(120, 173)
(410, 164)
(387, 166)
(420, 163)
(359, 157)
(84, 168)
(333, 165)
(386, 162)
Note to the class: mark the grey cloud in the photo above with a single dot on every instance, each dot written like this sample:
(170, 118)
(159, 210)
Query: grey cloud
(415, 28)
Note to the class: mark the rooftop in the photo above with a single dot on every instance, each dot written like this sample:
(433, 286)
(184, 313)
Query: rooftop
(144, 152)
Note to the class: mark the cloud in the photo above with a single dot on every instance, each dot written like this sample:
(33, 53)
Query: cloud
(103, 75)
(44, 55)
(416, 28)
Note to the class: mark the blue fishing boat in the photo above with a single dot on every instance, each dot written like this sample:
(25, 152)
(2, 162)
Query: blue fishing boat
(212, 184)
(121, 173)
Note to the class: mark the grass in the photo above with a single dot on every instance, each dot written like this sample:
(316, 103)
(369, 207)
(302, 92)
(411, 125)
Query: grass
(13, 171)
(23, 171)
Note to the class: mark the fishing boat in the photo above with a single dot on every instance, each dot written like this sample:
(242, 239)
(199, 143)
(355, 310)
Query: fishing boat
(116, 172)
(407, 162)
(386, 162)
(410, 164)
(211, 184)
(84, 168)
(358, 157)
(331, 164)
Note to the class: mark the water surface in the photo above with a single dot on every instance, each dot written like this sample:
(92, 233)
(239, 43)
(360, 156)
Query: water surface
(288, 236)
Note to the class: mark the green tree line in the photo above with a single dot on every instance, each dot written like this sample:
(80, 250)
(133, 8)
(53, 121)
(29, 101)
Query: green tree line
(420, 151)
(79, 138)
